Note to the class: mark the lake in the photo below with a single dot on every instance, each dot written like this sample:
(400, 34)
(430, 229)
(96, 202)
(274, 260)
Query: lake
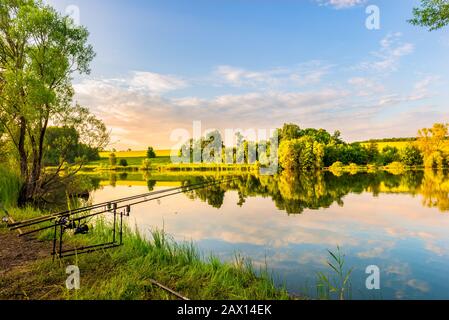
(398, 221)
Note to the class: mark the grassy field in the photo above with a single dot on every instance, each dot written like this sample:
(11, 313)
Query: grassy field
(399, 145)
(134, 154)
(134, 158)
(396, 144)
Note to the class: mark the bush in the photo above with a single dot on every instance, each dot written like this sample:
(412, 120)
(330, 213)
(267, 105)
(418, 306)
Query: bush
(150, 153)
(123, 163)
(389, 155)
(411, 156)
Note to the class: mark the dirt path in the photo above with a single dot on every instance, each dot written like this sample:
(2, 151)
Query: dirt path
(18, 279)
(17, 252)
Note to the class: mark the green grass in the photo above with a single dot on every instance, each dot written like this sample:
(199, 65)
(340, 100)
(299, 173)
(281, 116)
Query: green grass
(9, 187)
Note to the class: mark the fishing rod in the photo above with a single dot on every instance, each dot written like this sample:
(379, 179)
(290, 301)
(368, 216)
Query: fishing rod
(80, 226)
(33, 221)
(127, 206)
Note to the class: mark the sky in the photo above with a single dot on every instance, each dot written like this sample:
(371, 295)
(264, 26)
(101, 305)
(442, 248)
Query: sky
(257, 64)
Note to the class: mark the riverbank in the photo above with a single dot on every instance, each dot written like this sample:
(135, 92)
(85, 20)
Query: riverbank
(126, 272)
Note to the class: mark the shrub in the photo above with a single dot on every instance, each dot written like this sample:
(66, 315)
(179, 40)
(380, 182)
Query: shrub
(123, 163)
(150, 153)
(411, 156)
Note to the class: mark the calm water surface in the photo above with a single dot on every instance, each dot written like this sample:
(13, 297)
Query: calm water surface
(399, 222)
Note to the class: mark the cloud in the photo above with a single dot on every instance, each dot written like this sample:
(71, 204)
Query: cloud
(387, 58)
(341, 4)
(139, 118)
(365, 86)
(419, 285)
(156, 83)
(138, 81)
(297, 76)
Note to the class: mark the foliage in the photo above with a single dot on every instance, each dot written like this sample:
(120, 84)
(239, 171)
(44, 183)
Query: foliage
(39, 51)
(151, 154)
(389, 155)
(62, 144)
(432, 144)
(123, 163)
(433, 14)
(372, 152)
(411, 156)
(301, 154)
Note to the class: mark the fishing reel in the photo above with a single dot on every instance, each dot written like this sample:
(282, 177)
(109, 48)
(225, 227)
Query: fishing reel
(80, 228)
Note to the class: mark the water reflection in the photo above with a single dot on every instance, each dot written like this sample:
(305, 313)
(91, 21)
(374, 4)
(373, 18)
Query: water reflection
(390, 219)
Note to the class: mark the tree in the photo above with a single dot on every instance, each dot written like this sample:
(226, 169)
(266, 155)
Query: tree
(389, 155)
(39, 51)
(433, 14)
(433, 139)
(411, 156)
(62, 144)
(433, 144)
(290, 132)
(123, 163)
(372, 152)
(150, 153)
(301, 154)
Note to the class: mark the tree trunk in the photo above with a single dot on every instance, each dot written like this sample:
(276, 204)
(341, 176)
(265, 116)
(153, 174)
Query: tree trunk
(23, 196)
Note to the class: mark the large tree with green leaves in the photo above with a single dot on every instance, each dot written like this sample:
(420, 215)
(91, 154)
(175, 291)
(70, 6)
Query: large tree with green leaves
(40, 50)
(433, 14)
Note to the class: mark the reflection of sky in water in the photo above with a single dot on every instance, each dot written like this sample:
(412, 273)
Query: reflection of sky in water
(409, 242)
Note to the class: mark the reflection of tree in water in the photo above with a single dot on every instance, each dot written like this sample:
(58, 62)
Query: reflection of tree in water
(123, 176)
(212, 194)
(435, 189)
(295, 193)
(151, 184)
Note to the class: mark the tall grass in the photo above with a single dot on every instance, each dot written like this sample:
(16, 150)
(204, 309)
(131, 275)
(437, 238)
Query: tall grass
(338, 284)
(9, 187)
